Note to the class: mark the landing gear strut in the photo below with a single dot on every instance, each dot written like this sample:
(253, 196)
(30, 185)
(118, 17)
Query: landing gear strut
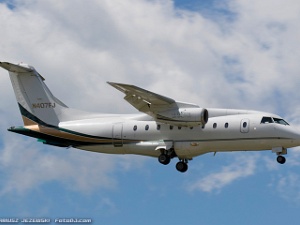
(182, 166)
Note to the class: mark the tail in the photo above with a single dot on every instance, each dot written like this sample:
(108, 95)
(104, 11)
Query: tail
(37, 104)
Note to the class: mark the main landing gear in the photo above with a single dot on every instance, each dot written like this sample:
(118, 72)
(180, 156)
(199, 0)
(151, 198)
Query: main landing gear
(182, 166)
(164, 159)
(166, 156)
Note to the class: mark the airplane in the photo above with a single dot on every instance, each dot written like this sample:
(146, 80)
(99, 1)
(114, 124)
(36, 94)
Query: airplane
(165, 129)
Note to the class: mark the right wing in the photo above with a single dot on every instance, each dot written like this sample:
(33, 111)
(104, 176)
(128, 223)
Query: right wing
(143, 100)
(161, 108)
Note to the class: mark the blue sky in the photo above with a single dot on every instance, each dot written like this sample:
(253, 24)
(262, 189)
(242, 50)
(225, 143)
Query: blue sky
(231, 54)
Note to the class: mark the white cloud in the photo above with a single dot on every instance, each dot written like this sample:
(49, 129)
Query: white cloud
(285, 181)
(288, 187)
(248, 62)
(28, 165)
(271, 164)
(240, 167)
(151, 44)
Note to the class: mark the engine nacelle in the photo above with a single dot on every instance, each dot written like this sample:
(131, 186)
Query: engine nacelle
(184, 116)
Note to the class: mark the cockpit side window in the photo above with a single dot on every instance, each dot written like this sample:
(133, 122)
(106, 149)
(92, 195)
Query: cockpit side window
(280, 121)
(266, 120)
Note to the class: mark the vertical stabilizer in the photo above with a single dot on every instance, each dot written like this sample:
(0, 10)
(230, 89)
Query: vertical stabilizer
(36, 102)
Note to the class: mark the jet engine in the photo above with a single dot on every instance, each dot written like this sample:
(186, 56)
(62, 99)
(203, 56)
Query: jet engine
(184, 116)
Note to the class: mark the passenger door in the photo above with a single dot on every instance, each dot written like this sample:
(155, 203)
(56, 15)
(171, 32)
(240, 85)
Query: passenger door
(117, 135)
(245, 125)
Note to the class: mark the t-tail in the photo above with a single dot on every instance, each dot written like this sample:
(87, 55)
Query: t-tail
(37, 104)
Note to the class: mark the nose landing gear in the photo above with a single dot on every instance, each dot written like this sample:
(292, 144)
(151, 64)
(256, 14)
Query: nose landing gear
(280, 151)
(281, 159)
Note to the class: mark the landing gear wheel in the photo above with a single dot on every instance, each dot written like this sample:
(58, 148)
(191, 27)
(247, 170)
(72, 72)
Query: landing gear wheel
(164, 159)
(181, 167)
(281, 159)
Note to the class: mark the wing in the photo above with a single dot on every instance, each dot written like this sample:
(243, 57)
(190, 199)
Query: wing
(161, 108)
(143, 100)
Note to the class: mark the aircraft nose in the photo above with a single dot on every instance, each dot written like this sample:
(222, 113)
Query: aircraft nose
(295, 135)
(290, 133)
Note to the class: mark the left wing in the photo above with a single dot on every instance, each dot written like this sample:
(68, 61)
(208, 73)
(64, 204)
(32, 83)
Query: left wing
(161, 108)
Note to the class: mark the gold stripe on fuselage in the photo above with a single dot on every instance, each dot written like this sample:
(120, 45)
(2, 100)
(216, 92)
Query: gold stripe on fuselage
(31, 125)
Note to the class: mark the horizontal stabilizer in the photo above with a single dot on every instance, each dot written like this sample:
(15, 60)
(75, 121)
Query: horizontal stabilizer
(21, 68)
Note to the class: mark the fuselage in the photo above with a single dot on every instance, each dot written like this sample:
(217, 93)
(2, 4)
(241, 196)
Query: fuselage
(226, 130)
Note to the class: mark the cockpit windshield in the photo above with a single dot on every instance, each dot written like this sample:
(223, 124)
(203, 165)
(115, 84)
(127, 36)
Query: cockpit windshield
(266, 120)
(280, 121)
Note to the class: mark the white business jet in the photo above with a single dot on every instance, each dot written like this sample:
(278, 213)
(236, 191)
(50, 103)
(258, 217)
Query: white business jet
(167, 128)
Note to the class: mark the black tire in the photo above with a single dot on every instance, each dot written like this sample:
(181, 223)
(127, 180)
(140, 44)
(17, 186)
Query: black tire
(281, 159)
(181, 167)
(164, 159)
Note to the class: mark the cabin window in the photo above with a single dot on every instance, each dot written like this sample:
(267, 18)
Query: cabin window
(215, 125)
(245, 124)
(171, 127)
(135, 127)
(158, 127)
(179, 128)
(147, 127)
(266, 120)
(191, 128)
(226, 125)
